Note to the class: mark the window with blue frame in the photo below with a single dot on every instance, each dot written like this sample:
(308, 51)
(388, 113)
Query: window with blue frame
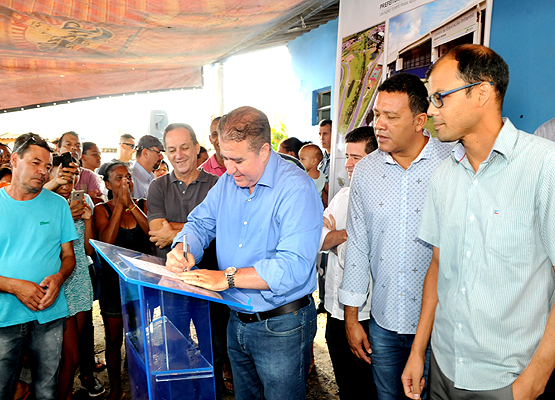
(321, 104)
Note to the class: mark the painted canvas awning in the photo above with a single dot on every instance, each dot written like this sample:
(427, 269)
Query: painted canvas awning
(58, 50)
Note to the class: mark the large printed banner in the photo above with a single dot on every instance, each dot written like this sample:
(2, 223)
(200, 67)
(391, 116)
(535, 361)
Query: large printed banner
(380, 38)
(54, 50)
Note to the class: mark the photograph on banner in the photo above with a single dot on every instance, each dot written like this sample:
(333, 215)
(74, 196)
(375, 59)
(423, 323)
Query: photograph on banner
(361, 71)
(417, 38)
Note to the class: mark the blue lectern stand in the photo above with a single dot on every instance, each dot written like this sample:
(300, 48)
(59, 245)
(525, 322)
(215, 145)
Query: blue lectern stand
(167, 329)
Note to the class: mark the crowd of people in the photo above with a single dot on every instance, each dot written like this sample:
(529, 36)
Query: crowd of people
(434, 265)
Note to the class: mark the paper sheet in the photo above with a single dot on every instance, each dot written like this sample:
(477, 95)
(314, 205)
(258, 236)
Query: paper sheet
(150, 267)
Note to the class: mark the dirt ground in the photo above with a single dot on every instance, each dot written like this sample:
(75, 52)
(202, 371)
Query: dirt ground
(321, 385)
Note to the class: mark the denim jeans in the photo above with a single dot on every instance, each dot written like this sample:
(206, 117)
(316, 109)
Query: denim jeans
(43, 344)
(390, 352)
(270, 359)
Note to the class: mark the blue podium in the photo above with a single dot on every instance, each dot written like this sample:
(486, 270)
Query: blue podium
(167, 328)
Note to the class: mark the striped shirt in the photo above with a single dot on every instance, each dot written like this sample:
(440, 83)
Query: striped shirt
(496, 280)
(385, 207)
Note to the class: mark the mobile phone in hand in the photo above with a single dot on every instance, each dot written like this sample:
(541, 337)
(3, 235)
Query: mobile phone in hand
(77, 195)
(66, 159)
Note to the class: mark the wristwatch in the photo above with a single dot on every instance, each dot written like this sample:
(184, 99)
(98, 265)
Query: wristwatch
(230, 275)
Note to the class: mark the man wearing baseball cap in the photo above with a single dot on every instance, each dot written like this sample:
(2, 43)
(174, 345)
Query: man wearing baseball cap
(149, 155)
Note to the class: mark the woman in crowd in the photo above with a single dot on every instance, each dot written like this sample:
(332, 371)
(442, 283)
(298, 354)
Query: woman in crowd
(162, 169)
(5, 155)
(121, 221)
(291, 146)
(5, 176)
(78, 287)
(91, 157)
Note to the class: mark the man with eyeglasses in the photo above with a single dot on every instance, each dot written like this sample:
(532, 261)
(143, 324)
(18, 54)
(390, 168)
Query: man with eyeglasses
(490, 216)
(149, 156)
(37, 256)
(385, 262)
(125, 153)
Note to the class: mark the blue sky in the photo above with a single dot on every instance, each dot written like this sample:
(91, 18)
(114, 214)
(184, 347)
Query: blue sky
(413, 24)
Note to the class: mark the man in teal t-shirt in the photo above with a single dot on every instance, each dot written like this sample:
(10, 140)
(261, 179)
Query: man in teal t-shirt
(36, 233)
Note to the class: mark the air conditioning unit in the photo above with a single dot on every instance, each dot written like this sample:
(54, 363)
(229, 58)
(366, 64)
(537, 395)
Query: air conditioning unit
(399, 64)
(158, 122)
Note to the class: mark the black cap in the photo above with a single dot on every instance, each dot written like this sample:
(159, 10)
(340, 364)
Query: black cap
(148, 141)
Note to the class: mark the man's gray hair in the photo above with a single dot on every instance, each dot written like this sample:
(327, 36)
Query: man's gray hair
(177, 125)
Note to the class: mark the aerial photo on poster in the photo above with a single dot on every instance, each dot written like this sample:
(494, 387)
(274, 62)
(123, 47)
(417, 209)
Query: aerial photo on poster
(361, 70)
(411, 25)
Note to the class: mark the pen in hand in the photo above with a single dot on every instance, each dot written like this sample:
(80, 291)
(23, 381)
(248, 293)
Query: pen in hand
(185, 250)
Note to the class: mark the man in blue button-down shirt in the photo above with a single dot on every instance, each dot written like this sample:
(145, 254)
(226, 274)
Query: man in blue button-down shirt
(266, 216)
(490, 215)
(388, 189)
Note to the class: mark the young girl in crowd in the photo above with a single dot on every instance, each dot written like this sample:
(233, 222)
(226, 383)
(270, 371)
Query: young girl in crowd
(121, 221)
(78, 287)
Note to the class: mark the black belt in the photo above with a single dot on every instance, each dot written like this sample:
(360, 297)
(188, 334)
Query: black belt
(285, 309)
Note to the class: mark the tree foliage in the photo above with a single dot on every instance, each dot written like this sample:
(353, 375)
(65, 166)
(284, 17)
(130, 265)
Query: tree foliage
(279, 132)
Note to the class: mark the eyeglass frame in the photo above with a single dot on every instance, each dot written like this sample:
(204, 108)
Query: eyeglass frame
(133, 146)
(432, 100)
(22, 146)
(156, 151)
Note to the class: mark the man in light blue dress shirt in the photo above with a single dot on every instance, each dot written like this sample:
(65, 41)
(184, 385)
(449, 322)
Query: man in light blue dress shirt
(266, 216)
(490, 217)
(149, 156)
(387, 196)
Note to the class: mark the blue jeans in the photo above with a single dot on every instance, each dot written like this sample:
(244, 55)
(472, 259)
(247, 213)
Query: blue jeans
(270, 359)
(390, 352)
(43, 344)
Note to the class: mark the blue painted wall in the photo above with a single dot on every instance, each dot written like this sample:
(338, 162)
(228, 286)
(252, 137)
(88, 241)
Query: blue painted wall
(524, 35)
(313, 63)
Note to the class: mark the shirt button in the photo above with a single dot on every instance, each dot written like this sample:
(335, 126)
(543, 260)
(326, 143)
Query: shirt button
(245, 223)
(401, 271)
(184, 192)
(475, 181)
(468, 253)
(472, 217)
(463, 290)
(240, 245)
(249, 199)
(459, 326)
(461, 360)
(404, 198)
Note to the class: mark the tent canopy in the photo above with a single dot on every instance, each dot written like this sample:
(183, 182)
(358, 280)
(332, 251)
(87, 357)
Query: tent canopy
(59, 50)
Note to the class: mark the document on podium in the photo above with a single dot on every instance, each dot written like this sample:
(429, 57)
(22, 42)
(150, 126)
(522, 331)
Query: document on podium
(149, 266)
(148, 271)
